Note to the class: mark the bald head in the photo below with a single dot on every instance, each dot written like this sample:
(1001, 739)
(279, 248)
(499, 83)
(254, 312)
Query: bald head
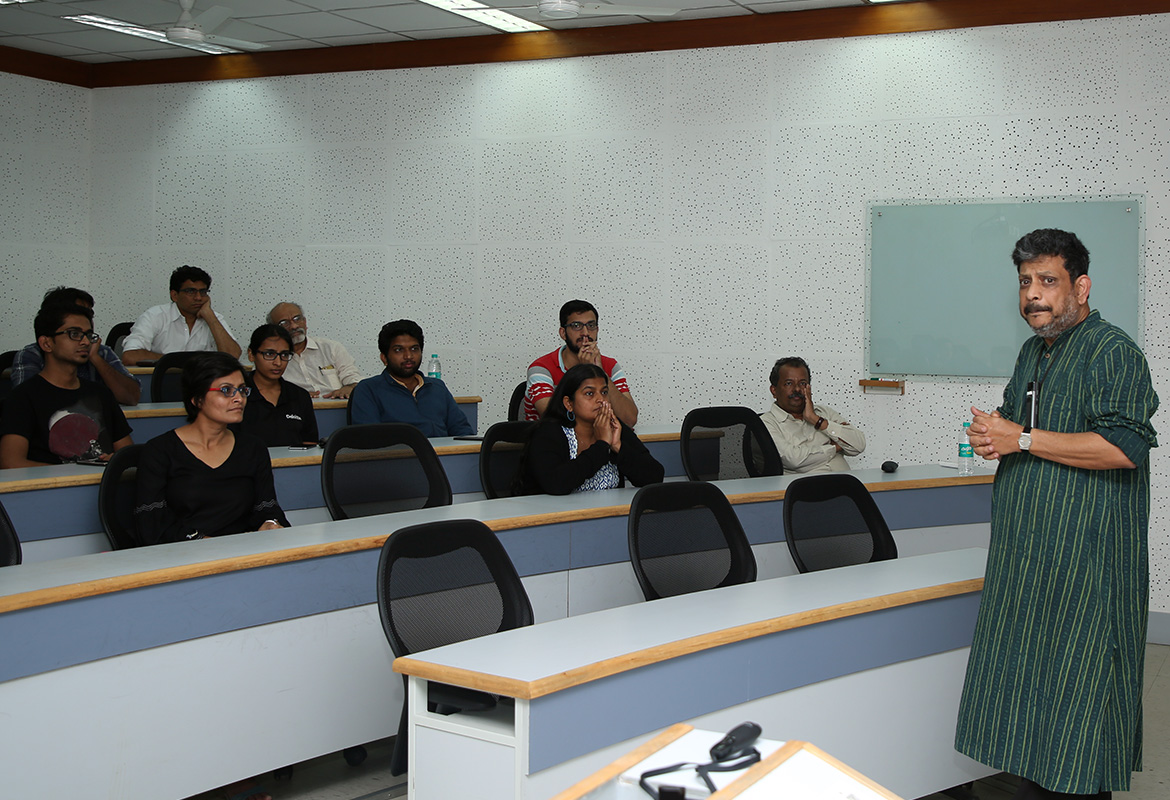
(291, 317)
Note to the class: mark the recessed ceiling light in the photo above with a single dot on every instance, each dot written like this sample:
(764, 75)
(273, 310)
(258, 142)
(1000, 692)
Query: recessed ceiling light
(501, 20)
(14, 2)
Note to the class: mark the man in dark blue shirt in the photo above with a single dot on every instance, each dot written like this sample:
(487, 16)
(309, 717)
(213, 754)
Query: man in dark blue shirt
(403, 394)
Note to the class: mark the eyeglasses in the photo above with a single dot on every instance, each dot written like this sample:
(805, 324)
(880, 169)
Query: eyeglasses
(230, 391)
(195, 292)
(576, 326)
(272, 355)
(77, 334)
(288, 323)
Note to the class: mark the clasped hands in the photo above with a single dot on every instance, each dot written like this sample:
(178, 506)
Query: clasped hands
(810, 416)
(606, 427)
(993, 436)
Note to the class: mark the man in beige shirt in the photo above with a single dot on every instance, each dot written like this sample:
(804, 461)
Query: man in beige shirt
(810, 438)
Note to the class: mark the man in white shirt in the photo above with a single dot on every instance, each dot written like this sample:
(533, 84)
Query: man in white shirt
(810, 438)
(186, 323)
(321, 366)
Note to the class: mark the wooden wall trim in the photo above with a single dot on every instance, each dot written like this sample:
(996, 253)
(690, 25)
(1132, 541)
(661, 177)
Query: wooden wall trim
(47, 68)
(830, 23)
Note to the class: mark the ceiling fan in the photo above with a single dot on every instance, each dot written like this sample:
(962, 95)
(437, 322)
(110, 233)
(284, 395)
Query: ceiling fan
(571, 9)
(196, 33)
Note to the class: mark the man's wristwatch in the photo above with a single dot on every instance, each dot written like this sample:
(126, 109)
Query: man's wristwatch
(1025, 440)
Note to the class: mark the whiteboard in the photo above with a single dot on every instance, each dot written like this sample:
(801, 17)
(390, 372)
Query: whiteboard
(942, 292)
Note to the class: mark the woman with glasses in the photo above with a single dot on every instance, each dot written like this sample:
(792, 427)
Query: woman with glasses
(279, 412)
(204, 479)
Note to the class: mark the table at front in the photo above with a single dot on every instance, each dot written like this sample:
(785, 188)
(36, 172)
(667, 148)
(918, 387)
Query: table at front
(286, 620)
(867, 660)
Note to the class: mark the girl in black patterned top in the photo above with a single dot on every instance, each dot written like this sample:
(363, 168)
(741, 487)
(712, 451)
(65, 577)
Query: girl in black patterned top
(201, 479)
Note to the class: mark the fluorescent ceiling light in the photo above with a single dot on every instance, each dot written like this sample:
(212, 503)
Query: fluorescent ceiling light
(146, 33)
(14, 2)
(501, 20)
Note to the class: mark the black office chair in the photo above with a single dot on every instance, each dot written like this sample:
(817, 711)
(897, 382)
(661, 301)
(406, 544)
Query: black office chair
(440, 583)
(117, 334)
(516, 403)
(500, 455)
(165, 383)
(738, 445)
(10, 554)
(6, 360)
(831, 520)
(685, 537)
(380, 468)
(116, 497)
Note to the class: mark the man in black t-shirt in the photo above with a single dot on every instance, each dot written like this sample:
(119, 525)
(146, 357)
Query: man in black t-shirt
(56, 417)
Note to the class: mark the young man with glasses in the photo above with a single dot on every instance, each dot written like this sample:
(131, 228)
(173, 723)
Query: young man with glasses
(56, 417)
(579, 332)
(322, 367)
(186, 323)
(104, 366)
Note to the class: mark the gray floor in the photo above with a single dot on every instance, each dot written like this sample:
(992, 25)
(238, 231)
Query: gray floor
(330, 778)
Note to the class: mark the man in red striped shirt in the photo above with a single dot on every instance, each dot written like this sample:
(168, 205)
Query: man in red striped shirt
(579, 332)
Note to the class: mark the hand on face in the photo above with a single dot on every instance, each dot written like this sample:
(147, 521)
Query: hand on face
(589, 354)
(808, 413)
(606, 427)
(94, 350)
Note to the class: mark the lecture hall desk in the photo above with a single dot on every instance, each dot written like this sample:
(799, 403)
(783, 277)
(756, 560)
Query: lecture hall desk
(166, 671)
(54, 509)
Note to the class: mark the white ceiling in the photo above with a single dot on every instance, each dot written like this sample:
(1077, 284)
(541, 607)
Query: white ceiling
(299, 24)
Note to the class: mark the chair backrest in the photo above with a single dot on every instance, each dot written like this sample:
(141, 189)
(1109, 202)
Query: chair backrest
(685, 537)
(116, 497)
(117, 334)
(500, 456)
(831, 520)
(165, 385)
(721, 442)
(10, 554)
(6, 360)
(380, 468)
(349, 409)
(445, 582)
(516, 402)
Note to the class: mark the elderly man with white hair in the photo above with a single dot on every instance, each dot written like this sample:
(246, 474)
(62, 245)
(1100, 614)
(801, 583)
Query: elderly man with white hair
(321, 366)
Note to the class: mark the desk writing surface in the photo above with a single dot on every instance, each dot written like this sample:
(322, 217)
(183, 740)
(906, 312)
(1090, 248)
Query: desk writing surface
(551, 649)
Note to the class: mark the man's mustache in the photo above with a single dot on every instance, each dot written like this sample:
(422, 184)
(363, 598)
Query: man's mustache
(1033, 308)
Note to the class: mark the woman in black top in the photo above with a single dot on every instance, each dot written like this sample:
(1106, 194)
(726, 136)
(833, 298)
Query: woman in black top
(279, 412)
(579, 445)
(203, 479)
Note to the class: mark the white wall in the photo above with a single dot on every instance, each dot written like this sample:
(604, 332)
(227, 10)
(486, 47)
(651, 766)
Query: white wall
(711, 203)
(45, 189)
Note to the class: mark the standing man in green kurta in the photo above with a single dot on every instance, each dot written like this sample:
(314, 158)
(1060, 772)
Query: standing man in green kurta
(1054, 683)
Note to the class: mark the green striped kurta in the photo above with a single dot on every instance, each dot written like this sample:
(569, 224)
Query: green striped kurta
(1053, 689)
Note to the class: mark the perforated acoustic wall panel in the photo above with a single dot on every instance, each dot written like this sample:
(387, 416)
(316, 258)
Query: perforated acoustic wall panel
(711, 203)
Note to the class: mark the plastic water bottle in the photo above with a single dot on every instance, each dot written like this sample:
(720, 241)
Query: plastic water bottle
(434, 368)
(966, 460)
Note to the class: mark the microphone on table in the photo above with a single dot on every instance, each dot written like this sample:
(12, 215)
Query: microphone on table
(890, 466)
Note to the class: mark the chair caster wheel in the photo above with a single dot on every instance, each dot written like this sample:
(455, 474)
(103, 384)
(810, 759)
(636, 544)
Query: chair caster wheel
(354, 755)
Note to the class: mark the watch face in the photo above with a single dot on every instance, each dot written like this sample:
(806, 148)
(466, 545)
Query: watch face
(1025, 441)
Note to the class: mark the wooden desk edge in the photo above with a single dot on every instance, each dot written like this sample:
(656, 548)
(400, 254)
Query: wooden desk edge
(616, 768)
(137, 412)
(74, 591)
(758, 771)
(530, 690)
